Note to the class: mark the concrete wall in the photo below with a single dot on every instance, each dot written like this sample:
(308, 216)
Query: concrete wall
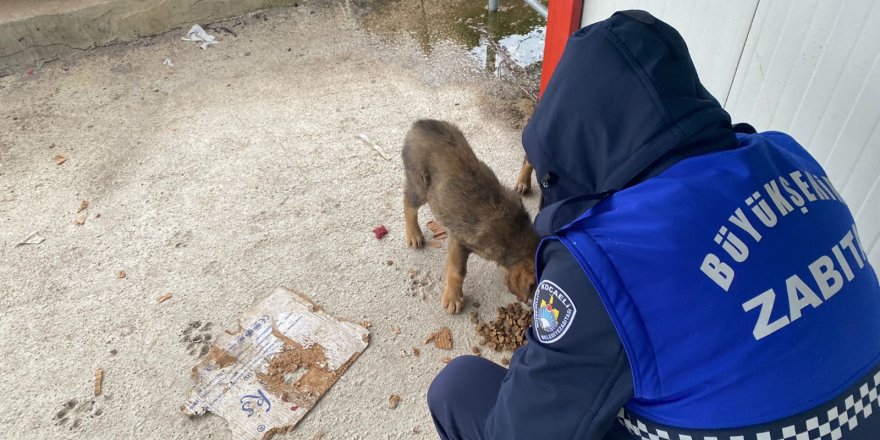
(36, 30)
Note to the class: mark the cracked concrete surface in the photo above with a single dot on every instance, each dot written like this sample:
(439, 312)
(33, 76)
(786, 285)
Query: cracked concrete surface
(238, 170)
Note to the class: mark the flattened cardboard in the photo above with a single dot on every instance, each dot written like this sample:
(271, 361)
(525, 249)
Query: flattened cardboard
(267, 374)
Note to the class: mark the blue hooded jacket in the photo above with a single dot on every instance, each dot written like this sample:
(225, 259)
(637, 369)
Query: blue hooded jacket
(624, 106)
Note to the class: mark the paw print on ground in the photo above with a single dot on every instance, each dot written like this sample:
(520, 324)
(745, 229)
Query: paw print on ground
(74, 411)
(197, 338)
(180, 239)
(420, 283)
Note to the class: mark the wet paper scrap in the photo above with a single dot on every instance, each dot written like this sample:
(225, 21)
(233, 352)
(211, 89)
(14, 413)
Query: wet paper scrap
(267, 374)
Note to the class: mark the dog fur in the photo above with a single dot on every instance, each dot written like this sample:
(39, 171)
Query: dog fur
(466, 197)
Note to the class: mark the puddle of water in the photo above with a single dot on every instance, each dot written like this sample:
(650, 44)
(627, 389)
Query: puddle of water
(515, 29)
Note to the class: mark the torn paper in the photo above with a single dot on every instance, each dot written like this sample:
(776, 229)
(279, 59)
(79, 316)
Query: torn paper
(267, 374)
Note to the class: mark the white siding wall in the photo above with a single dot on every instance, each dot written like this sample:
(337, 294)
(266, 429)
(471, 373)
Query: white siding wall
(715, 31)
(810, 68)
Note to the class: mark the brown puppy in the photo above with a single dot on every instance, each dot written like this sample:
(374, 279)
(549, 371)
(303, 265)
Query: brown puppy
(465, 196)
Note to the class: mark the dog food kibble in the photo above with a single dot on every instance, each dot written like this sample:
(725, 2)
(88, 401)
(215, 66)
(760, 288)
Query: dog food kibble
(505, 361)
(393, 401)
(445, 359)
(475, 350)
(121, 274)
(507, 331)
(442, 339)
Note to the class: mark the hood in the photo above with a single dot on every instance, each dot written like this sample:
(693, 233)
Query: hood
(624, 103)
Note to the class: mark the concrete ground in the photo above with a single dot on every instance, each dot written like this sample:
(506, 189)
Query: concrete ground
(237, 170)
(33, 32)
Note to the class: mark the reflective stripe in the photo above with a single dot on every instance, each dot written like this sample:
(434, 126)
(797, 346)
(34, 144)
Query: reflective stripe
(831, 421)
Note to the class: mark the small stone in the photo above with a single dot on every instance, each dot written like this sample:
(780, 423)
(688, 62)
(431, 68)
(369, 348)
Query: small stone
(445, 359)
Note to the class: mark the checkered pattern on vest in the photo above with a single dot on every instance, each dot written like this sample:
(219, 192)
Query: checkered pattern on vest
(842, 416)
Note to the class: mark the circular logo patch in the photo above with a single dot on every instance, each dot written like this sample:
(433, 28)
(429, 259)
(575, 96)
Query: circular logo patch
(553, 311)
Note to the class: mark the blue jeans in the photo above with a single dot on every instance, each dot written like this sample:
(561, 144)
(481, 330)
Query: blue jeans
(462, 395)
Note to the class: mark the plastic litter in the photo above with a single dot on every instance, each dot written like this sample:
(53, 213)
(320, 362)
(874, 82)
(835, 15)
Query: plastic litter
(380, 231)
(197, 34)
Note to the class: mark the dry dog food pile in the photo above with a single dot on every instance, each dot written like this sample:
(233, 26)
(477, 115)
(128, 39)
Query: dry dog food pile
(507, 331)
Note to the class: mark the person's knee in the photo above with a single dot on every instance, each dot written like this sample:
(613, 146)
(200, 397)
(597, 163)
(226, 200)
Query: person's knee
(444, 388)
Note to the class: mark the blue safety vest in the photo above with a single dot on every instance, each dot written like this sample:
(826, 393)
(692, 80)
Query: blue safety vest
(737, 283)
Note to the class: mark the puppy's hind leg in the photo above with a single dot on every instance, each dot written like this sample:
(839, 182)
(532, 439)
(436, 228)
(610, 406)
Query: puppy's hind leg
(524, 180)
(452, 299)
(413, 198)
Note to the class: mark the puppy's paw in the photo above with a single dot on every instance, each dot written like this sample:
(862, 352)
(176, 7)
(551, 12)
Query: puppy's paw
(523, 187)
(415, 239)
(452, 302)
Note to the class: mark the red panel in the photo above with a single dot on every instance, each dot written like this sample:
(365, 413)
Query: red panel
(564, 18)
